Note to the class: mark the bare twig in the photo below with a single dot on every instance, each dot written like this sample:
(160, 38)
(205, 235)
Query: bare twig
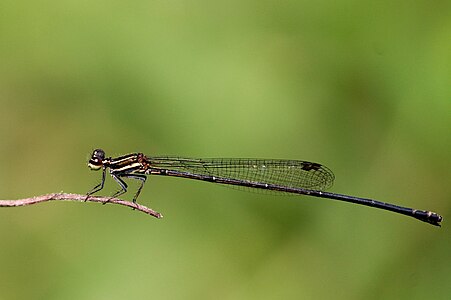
(78, 197)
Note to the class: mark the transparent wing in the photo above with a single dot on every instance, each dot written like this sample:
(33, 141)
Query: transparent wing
(289, 173)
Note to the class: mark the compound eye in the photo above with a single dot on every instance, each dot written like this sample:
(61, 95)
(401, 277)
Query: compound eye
(98, 153)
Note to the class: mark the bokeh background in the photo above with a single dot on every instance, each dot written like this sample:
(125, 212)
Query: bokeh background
(363, 87)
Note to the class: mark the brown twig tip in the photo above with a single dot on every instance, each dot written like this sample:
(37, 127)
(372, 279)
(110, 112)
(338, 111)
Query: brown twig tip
(80, 198)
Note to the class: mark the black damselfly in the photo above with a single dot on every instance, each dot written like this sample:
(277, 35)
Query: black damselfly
(280, 176)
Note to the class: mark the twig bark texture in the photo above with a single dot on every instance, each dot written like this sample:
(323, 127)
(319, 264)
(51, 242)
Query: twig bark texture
(78, 197)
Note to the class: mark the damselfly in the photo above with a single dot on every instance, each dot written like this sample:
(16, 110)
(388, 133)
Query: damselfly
(280, 176)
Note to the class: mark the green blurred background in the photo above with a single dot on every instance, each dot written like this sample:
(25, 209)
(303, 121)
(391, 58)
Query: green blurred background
(363, 88)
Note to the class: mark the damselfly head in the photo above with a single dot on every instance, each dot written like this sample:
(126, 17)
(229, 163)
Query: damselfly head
(96, 161)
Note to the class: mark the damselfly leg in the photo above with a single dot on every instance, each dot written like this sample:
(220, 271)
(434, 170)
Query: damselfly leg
(97, 187)
(124, 186)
